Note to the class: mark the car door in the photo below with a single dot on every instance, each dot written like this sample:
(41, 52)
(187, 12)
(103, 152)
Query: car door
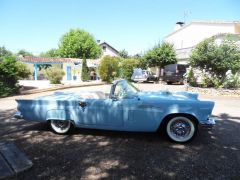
(100, 112)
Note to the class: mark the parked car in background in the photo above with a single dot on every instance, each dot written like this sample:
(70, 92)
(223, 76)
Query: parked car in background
(125, 108)
(174, 73)
(140, 75)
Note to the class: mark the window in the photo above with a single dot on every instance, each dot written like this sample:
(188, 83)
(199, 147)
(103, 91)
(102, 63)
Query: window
(104, 48)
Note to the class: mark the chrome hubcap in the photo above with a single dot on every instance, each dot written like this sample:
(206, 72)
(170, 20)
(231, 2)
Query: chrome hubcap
(180, 128)
(61, 124)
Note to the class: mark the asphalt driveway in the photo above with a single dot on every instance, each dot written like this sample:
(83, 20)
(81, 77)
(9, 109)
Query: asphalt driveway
(95, 154)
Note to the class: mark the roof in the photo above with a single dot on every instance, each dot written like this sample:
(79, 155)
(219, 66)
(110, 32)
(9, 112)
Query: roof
(203, 22)
(101, 44)
(42, 60)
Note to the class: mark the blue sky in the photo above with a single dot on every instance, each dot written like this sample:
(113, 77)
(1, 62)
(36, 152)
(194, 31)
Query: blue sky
(134, 25)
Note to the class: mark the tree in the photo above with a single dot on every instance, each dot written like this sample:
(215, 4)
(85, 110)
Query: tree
(24, 53)
(108, 68)
(78, 43)
(85, 72)
(215, 58)
(127, 66)
(160, 56)
(50, 53)
(11, 71)
(123, 53)
(4, 52)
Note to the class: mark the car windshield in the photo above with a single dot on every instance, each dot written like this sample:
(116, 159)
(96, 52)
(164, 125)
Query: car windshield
(125, 89)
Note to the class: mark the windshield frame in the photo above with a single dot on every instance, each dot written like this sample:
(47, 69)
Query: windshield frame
(129, 90)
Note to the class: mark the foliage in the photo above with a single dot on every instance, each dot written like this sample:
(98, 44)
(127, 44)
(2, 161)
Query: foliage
(4, 52)
(161, 55)
(24, 53)
(11, 71)
(55, 74)
(85, 70)
(123, 53)
(191, 79)
(127, 66)
(50, 53)
(233, 81)
(216, 59)
(208, 81)
(108, 68)
(78, 43)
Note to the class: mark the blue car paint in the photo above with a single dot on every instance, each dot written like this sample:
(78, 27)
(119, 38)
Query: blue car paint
(143, 111)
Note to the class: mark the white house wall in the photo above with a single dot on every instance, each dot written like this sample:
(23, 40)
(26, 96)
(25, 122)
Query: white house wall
(192, 34)
(195, 33)
(109, 52)
(74, 70)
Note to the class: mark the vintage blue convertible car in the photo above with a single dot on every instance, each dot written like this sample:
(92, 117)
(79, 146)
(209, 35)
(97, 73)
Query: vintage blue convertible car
(125, 108)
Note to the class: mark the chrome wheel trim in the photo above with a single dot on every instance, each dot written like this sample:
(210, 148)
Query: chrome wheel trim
(60, 126)
(180, 129)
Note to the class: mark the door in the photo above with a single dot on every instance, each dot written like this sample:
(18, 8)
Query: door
(101, 113)
(69, 73)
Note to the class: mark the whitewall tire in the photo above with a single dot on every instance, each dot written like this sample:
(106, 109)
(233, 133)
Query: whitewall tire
(60, 126)
(181, 129)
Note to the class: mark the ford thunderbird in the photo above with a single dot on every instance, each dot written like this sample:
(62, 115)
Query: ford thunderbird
(124, 108)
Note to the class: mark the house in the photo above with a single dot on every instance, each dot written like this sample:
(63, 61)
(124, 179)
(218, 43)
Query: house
(71, 66)
(108, 50)
(186, 37)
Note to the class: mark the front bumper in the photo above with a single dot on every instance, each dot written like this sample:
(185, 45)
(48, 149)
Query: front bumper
(208, 124)
(18, 115)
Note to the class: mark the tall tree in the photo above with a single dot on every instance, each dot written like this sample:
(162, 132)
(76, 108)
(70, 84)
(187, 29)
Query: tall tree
(160, 56)
(24, 53)
(85, 73)
(123, 53)
(4, 52)
(50, 53)
(78, 43)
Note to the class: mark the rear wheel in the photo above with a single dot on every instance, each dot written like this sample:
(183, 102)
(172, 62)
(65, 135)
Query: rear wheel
(60, 126)
(181, 129)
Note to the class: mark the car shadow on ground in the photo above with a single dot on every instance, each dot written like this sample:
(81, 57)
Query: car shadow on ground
(97, 154)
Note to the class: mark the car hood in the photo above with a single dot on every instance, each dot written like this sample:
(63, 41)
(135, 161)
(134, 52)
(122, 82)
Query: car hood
(168, 95)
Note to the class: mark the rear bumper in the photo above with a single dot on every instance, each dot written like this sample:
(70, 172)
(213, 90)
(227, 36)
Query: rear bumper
(18, 115)
(208, 124)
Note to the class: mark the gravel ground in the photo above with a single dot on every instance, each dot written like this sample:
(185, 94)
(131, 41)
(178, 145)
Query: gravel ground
(95, 154)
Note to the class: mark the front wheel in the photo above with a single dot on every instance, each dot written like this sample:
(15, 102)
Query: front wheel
(181, 129)
(60, 126)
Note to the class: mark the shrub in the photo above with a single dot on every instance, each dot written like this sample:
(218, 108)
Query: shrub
(127, 66)
(191, 79)
(55, 75)
(11, 71)
(207, 81)
(84, 74)
(233, 81)
(108, 68)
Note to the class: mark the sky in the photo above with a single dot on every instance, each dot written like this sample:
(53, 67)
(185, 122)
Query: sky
(133, 25)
